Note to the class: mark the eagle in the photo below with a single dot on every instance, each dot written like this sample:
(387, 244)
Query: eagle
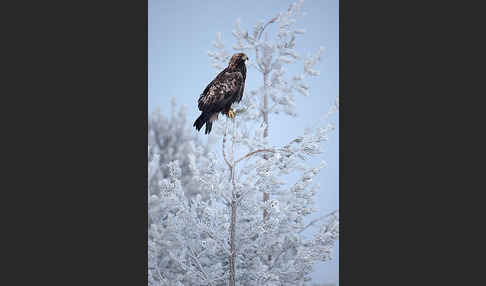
(218, 96)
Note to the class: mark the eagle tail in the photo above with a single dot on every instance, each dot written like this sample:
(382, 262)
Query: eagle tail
(203, 119)
(209, 125)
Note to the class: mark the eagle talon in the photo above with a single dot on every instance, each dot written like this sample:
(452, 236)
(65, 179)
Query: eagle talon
(231, 114)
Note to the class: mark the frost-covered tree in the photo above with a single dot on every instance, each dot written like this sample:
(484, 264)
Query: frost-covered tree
(170, 138)
(248, 228)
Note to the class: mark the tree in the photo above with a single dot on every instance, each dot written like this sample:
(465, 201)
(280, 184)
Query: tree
(169, 140)
(224, 238)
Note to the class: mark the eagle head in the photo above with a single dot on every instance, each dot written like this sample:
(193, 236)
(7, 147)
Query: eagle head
(237, 59)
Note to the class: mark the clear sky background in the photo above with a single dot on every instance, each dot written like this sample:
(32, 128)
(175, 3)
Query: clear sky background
(180, 35)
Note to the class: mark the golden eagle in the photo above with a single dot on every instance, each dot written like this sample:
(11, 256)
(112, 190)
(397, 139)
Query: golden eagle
(226, 88)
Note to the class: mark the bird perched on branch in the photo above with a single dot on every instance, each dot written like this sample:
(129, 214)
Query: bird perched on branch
(226, 88)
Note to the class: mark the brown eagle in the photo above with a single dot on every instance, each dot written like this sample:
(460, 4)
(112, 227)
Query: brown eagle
(226, 88)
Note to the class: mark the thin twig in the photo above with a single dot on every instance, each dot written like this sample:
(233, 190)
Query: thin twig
(218, 278)
(316, 220)
(259, 67)
(161, 277)
(194, 257)
(217, 241)
(268, 23)
(308, 225)
(253, 153)
(276, 259)
(212, 189)
(242, 195)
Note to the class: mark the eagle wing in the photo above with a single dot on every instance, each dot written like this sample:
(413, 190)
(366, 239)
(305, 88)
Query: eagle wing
(242, 88)
(226, 87)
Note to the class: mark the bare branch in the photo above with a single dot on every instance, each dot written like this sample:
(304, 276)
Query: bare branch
(253, 153)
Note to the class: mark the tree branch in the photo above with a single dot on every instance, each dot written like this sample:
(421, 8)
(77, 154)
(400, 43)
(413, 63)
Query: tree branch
(253, 153)
(276, 258)
(224, 153)
(268, 23)
(316, 220)
(161, 277)
(259, 67)
(194, 257)
(213, 237)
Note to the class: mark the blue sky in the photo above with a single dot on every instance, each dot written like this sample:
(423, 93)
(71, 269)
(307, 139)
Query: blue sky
(180, 35)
